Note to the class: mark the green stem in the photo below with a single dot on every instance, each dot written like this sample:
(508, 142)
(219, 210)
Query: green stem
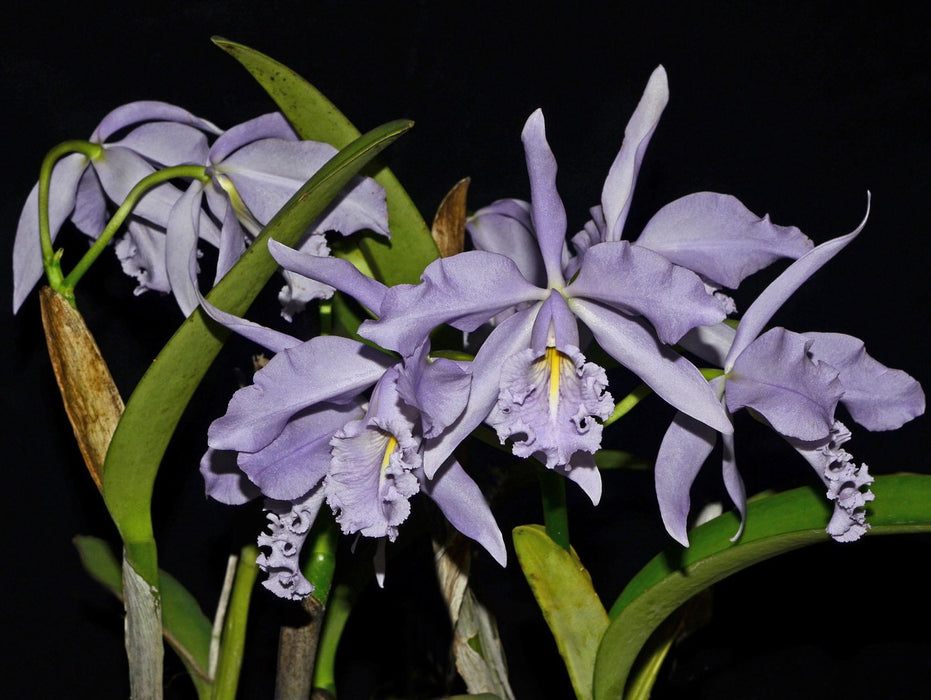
(234, 628)
(337, 613)
(50, 260)
(555, 514)
(623, 406)
(321, 557)
(123, 212)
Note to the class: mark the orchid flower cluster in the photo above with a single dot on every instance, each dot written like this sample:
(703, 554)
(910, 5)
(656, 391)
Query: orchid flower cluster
(362, 422)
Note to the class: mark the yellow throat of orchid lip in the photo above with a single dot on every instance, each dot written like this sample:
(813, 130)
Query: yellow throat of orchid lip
(389, 450)
(554, 359)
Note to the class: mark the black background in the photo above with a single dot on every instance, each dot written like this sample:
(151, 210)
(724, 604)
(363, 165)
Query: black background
(797, 109)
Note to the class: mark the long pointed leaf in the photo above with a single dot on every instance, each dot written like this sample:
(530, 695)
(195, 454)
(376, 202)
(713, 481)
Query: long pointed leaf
(775, 524)
(314, 117)
(156, 405)
(563, 589)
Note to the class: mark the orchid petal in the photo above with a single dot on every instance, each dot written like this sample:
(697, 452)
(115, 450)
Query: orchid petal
(671, 376)
(507, 339)
(636, 280)
(464, 290)
(142, 254)
(268, 338)
(719, 238)
(877, 397)
(733, 484)
(289, 523)
(775, 295)
(775, 377)
(27, 248)
(181, 247)
(327, 368)
(619, 185)
(461, 501)
(555, 325)
(506, 227)
(684, 449)
(582, 470)
(90, 205)
(232, 242)
(549, 214)
(146, 111)
(710, 343)
(120, 169)
(334, 272)
(224, 480)
(166, 143)
(267, 126)
(299, 457)
(438, 389)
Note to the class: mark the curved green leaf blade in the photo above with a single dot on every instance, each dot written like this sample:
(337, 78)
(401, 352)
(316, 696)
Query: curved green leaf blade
(775, 524)
(185, 626)
(563, 589)
(157, 403)
(315, 118)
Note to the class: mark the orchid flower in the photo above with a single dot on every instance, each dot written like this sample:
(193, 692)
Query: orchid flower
(529, 377)
(254, 169)
(303, 434)
(160, 135)
(793, 382)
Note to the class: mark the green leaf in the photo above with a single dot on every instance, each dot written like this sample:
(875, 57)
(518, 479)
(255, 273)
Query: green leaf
(186, 628)
(775, 524)
(563, 589)
(315, 118)
(156, 405)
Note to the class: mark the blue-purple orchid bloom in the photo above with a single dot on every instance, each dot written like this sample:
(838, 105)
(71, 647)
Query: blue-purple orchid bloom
(304, 433)
(793, 382)
(250, 172)
(160, 135)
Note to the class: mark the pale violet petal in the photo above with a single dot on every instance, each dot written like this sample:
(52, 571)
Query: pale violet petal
(437, 387)
(719, 238)
(710, 343)
(776, 378)
(142, 254)
(619, 185)
(638, 281)
(506, 227)
(224, 480)
(146, 111)
(877, 397)
(549, 214)
(167, 143)
(761, 311)
(674, 379)
(733, 484)
(682, 452)
(181, 247)
(461, 501)
(583, 471)
(267, 126)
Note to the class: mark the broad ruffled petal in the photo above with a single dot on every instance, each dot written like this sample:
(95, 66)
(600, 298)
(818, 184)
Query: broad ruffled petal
(438, 388)
(506, 227)
(462, 502)
(147, 111)
(224, 480)
(619, 185)
(684, 449)
(27, 249)
(776, 378)
(371, 474)
(298, 459)
(555, 401)
(846, 482)
(464, 290)
(289, 524)
(676, 380)
(549, 214)
(877, 397)
(639, 281)
(120, 169)
(757, 316)
(328, 368)
(334, 272)
(719, 238)
(142, 254)
(512, 336)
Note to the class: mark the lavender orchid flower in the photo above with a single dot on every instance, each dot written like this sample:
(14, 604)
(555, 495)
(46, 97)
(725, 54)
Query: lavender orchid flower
(303, 433)
(160, 135)
(255, 168)
(794, 382)
(529, 378)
